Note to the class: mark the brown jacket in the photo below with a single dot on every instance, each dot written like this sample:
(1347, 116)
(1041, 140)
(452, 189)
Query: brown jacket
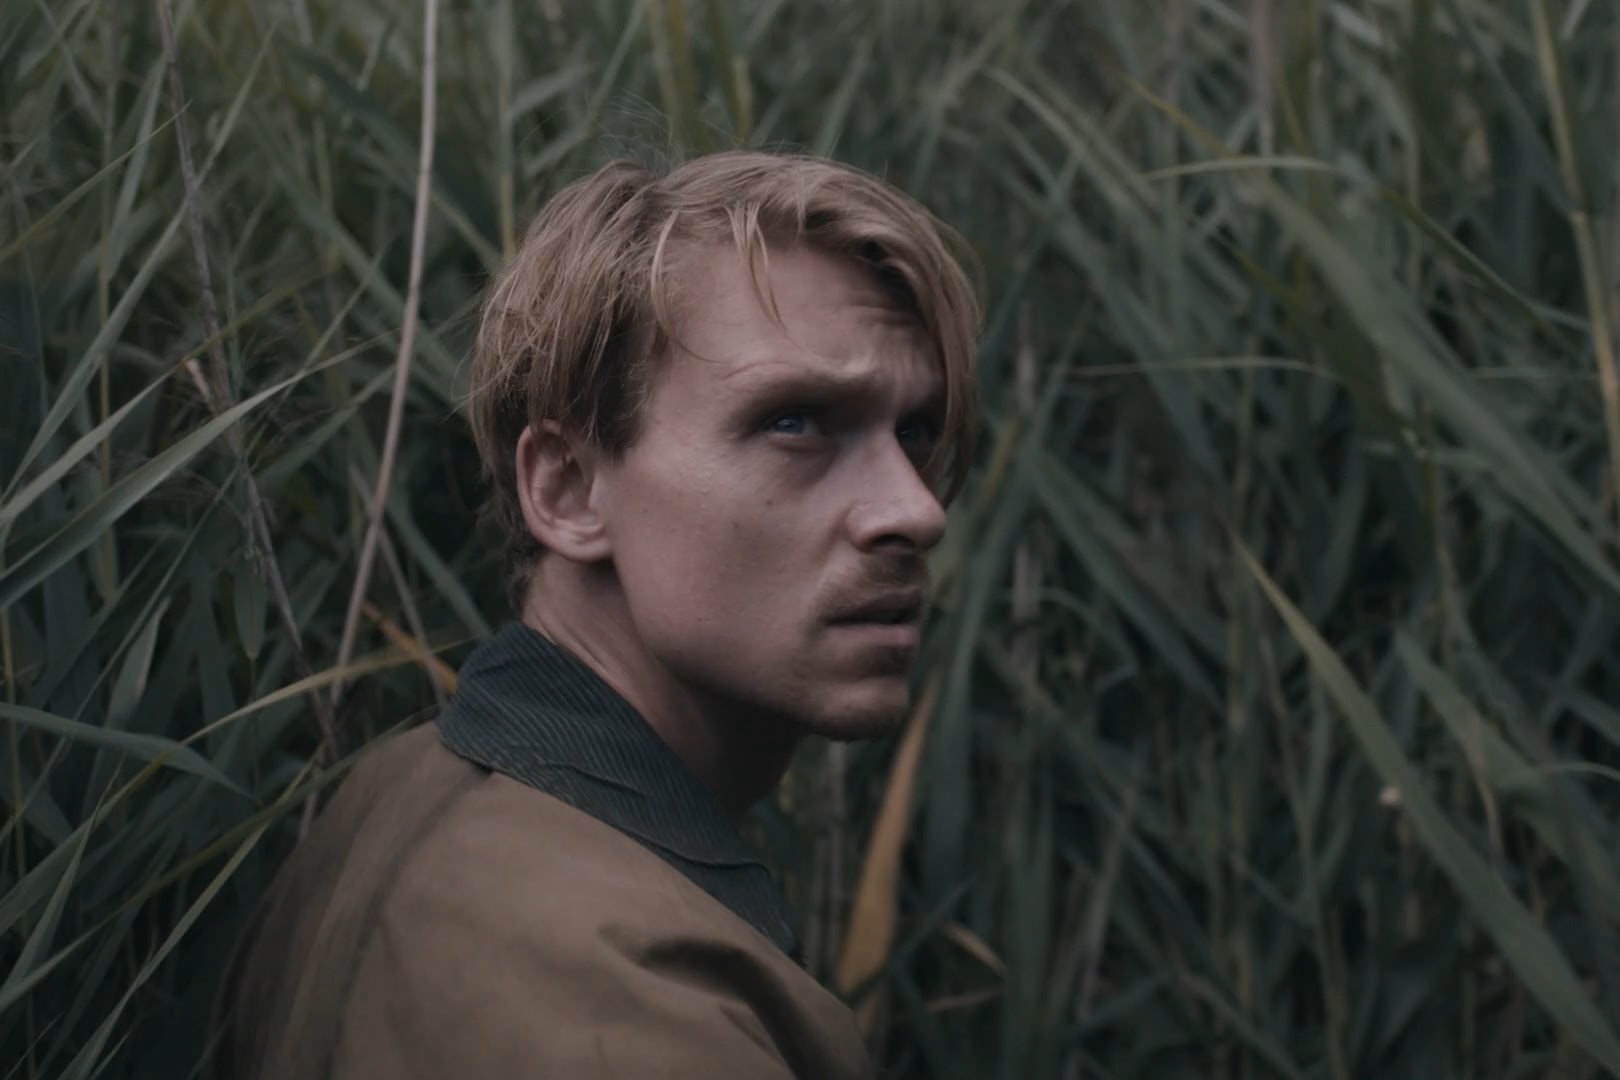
(445, 920)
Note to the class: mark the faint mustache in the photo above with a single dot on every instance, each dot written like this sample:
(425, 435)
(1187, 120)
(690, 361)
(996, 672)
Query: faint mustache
(887, 587)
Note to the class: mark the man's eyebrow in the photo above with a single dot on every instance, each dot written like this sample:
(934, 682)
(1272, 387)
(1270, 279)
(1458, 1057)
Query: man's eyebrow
(779, 381)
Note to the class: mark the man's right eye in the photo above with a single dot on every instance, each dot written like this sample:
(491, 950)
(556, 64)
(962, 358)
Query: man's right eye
(794, 422)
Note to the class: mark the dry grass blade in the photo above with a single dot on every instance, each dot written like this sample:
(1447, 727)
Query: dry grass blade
(443, 675)
(873, 916)
(1602, 297)
(407, 341)
(220, 396)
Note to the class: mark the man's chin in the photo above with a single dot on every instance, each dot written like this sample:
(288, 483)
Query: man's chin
(872, 713)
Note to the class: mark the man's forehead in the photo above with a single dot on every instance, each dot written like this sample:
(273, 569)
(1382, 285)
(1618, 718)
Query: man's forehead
(871, 340)
(809, 318)
(913, 370)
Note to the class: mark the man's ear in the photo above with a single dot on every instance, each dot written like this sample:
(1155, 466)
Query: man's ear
(554, 481)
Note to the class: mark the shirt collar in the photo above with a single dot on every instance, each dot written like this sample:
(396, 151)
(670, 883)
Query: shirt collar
(527, 708)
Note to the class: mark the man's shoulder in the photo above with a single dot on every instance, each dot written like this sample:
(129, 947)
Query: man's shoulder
(534, 933)
(508, 854)
(443, 916)
(435, 839)
(314, 920)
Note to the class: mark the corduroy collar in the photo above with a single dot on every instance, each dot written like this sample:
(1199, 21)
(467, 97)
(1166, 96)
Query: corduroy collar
(527, 708)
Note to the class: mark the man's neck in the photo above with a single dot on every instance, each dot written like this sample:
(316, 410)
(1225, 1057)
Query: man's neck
(738, 755)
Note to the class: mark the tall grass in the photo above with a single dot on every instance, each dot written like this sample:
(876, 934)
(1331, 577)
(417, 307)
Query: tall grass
(1271, 719)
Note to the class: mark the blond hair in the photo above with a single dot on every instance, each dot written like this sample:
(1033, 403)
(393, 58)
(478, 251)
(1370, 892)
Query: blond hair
(573, 326)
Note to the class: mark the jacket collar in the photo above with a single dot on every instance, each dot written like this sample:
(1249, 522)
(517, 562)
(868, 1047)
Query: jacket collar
(527, 708)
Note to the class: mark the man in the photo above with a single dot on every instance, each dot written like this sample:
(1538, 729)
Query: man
(721, 410)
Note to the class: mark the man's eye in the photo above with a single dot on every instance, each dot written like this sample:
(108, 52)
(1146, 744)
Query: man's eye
(793, 423)
(918, 434)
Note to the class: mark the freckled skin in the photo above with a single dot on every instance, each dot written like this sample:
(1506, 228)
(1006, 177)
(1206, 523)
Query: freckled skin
(774, 483)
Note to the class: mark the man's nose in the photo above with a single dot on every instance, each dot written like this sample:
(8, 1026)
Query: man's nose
(895, 509)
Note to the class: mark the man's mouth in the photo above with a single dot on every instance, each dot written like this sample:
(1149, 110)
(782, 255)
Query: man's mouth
(898, 607)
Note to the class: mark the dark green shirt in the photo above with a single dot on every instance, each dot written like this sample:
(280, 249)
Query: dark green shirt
(528, 709)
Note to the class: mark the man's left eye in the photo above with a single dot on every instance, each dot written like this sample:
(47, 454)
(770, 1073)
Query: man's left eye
(917, 433)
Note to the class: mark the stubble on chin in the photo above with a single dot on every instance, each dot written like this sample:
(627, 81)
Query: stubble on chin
(847, 697)
(873, 713)
(869, 726)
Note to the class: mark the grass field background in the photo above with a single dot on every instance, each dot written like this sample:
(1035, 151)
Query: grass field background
(1270, 720)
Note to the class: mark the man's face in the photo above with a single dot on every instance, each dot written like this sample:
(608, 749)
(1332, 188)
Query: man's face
(769, 524)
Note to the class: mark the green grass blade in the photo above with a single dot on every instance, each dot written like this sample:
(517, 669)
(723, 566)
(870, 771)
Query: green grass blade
(133, 744)
(92, 522)
(1522, 939)
(39, 939)
(12, 508)
(86, 1063)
